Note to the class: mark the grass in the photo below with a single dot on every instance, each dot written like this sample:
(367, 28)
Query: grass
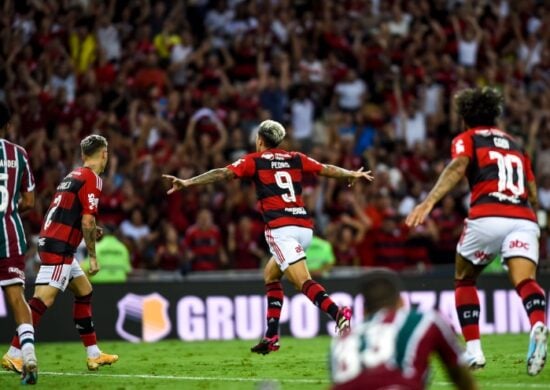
(300, 364)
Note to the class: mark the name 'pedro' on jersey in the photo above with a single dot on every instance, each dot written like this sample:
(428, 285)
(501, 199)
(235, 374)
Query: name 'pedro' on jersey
(278, 176)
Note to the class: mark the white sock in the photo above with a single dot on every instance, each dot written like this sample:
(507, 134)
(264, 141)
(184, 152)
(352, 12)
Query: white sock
(93, 351)
(14, 352)
(474, 346)
(26, 339)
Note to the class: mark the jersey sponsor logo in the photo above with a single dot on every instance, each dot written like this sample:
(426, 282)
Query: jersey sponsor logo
(296, 210)
(93, 202)
(505, 198)
(282, 156)
(268, 156)
(17, 271)
(8, 164)
(64, 186)
(502, 143)
(299, 249)
(517, 244)
(482, 256)
(459, 146)
(279, 164)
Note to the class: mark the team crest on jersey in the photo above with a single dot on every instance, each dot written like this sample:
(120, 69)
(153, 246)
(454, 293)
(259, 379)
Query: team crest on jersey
(93, 201)
(143, 317)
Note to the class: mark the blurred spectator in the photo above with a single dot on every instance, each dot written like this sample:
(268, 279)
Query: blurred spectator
(114, 259)
(138, 236)
(448, 222)
(170, 255)
(320, 257)
(244, 244)
(204, 245)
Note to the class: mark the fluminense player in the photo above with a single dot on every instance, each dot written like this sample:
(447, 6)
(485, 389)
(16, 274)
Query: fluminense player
(70, 218)
(16, 195)
(391, 349)
(278, 176)
(501, 219)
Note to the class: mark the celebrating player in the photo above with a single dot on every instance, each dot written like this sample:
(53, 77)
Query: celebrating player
(16, 194)
(392, 348)
(501, 220)
(278, 177)
(71, 217)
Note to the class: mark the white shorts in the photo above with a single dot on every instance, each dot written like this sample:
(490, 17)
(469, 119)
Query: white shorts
(484, 238)
(58, 276)
(288, 244)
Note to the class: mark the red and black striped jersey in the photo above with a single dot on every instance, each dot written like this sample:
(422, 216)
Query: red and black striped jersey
(278, 176)
(15, 177)
(77, 194)
(498, 173)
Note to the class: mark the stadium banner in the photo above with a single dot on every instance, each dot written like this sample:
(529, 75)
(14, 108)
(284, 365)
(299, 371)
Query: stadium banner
(228, 309)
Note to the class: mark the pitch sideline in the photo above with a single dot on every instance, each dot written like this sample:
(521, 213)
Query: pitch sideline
(230, 379)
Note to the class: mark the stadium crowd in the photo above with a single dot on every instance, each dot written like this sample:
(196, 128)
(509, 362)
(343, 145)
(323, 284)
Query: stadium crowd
(179, 87)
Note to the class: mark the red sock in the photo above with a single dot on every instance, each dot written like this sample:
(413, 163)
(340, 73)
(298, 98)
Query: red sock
(275, 296)
(467, 308)
(82, 314)
(38, 308)
(317, 294)
(534, 300)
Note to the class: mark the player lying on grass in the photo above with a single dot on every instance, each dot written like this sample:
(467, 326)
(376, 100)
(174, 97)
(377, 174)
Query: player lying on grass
(278, 176)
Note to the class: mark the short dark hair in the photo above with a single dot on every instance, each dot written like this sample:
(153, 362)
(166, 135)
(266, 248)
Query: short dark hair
(479, 106)
(381, 289)
(272, 132)
(92, 143)
(5, 115)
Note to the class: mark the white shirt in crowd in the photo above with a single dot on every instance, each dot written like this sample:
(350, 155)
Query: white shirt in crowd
(128, 229)
(302, 112)
(414, 129)
(467, 52)
(110, 42)
(68, 83)
(350, 94)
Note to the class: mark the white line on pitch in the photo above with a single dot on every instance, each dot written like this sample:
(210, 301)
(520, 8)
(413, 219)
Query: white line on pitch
(229, 379)
(174, 377)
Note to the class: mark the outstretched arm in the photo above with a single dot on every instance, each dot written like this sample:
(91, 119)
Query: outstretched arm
(212, 176)
(342, 173)
(449, 178)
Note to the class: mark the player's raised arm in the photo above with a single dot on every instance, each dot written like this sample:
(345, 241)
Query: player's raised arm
(449, 178)
(342, 173)
(212, 176)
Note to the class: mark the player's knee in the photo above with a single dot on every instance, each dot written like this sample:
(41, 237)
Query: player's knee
(46, 299)
(87, 298)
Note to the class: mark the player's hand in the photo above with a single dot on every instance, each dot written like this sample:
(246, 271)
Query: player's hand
(177, 184)
(360, 174)
(418, 215)
(94, 266)
(98, 232)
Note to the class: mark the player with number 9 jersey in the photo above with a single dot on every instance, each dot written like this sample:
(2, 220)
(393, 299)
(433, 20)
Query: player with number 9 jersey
(61, 232)
(278, 175)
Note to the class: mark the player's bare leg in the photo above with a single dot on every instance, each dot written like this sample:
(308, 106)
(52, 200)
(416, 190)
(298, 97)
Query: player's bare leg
(274, 293)
(21, 360)
(522, 273)
(468, 308)
(82, 314)
(298, 274)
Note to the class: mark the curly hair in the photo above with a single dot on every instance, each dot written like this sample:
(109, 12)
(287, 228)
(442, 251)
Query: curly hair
(479, 106)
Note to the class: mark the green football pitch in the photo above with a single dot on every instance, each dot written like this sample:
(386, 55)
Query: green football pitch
(299, 364)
